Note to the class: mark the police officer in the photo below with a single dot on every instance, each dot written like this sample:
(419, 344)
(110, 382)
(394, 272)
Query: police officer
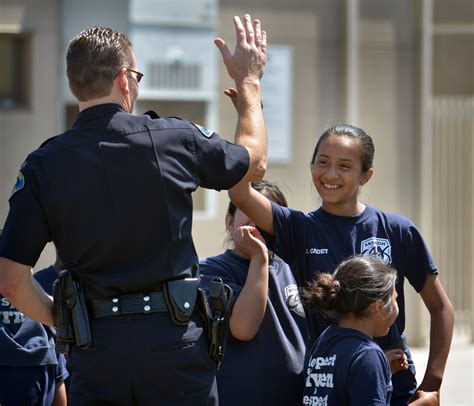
(114, 194)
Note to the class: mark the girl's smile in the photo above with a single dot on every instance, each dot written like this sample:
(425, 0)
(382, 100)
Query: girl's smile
(337, 174)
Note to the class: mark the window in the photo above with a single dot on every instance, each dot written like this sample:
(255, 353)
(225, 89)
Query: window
(14, 70)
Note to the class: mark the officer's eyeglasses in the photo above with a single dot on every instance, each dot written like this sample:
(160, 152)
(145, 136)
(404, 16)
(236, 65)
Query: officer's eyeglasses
(138, 77)
(139, 74)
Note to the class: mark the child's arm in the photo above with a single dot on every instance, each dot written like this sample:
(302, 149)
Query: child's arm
(255, 205)
(249, 308)
(441, 332)
(60, 397)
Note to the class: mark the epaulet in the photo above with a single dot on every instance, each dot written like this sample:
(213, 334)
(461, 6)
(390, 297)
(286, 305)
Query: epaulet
(47, 141)
(152, 114)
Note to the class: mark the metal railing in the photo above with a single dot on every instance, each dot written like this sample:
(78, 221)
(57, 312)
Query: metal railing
(453, 212)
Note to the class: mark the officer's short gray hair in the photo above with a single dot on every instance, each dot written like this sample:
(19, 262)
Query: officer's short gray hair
(94, 58)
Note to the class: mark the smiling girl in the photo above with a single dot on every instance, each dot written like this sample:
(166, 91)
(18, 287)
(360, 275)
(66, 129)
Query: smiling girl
(344, 226)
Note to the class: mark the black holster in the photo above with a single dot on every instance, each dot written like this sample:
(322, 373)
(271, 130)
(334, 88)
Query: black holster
(72, 320)
(216, 312)
(183, 296)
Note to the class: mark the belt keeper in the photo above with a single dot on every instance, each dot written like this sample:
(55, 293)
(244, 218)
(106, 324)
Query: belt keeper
(115, 305)
(138, 303)
(146, 304)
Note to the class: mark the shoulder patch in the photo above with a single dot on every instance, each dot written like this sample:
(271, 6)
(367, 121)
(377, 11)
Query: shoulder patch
(19, 184)
(204, 131)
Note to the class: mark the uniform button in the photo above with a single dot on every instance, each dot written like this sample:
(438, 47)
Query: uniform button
(146, 298)
(186, 305)
(147, 308)
(115, 300)
(115, 309)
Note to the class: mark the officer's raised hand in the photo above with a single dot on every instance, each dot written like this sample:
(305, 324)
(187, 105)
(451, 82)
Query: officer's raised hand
(250, 54)
(246, 67)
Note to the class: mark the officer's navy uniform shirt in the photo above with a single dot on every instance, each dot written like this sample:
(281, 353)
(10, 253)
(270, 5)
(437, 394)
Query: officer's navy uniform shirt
(318, 241)
(267, 370)
(114, 194)
(346, 367)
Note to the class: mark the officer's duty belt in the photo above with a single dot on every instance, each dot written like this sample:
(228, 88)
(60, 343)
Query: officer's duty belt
(140, 303)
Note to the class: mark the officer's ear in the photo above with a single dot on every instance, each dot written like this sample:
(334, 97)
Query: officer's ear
(122, 79)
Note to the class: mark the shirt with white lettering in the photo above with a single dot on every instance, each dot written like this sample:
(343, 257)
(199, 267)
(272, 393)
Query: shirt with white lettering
(346, 367)
(24, 342)
(267, 370)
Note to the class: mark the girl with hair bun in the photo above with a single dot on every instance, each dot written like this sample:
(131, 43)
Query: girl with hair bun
(346, 366)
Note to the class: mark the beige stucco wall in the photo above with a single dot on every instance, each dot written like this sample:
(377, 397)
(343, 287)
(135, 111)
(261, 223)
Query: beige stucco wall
(294, 177)
(388, 101)
(318, 102)
(387, 107)
(317, 38)
(23, 130)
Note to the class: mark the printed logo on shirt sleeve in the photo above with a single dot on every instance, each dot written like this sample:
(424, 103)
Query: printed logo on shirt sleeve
(293, 300)
(19, 183)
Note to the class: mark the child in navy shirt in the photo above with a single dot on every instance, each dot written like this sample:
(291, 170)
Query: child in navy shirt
(345, 365)
(264, 356)
(344, 226)
(31, 373)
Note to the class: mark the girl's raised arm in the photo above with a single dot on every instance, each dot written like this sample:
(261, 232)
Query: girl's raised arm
(255, 205)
